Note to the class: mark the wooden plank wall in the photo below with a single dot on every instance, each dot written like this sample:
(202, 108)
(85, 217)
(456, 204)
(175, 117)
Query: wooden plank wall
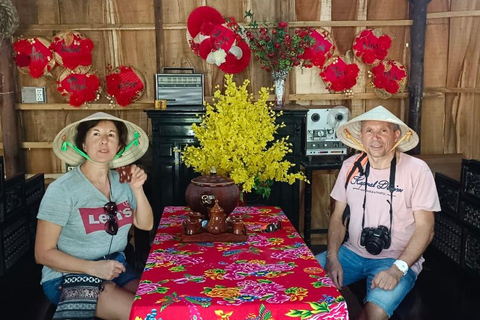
(123, 32)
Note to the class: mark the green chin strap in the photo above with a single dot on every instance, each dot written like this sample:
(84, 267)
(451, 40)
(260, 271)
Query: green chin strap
(134, 142)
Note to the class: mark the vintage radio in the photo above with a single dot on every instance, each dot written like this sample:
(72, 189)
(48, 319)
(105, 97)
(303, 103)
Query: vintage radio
(321, 131)
(180, 90)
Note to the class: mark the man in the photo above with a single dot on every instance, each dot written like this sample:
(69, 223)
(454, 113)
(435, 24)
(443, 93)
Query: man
(392, 199)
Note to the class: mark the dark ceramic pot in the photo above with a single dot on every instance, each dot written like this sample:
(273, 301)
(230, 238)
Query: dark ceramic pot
(202, 192)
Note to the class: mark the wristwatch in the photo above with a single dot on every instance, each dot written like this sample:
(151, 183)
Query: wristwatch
(402, 266)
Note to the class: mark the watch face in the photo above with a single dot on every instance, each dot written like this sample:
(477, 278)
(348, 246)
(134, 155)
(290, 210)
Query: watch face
(402, 266)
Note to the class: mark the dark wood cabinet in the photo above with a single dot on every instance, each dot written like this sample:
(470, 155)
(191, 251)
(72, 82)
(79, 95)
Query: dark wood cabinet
(457, 226)
(171, 130)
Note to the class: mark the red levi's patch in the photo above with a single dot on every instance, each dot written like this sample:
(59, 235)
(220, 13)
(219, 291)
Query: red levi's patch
(94, 218)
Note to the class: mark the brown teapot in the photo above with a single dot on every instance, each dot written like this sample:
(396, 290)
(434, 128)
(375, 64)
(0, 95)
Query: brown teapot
(217, 222)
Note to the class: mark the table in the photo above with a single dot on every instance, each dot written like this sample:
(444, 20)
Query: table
(270, 276)
(318, 164)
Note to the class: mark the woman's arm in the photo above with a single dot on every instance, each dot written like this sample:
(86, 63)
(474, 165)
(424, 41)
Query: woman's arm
(143, 218)
(46, 253)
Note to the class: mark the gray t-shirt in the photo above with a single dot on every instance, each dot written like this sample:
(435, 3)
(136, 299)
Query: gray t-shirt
(75, 204)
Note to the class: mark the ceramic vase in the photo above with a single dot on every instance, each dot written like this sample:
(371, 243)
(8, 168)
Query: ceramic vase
(279, 85)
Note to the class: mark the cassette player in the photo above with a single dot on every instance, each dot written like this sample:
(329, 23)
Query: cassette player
(182, 88)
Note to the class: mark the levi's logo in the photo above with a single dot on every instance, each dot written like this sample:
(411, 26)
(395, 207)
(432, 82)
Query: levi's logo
(94, 218)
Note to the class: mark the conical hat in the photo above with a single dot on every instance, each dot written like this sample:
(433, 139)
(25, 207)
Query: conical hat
(72, 157)
(350, 130)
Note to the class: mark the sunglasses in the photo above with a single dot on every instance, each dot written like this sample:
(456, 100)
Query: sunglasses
(111, 226)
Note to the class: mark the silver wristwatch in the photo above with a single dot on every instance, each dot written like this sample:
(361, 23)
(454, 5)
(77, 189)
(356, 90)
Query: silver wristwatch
(402, 266)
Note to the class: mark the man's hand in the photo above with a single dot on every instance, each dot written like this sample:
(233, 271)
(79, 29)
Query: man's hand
(387, 279)
(335, 271)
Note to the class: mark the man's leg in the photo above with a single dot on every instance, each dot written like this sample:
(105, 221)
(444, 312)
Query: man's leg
(379, 303)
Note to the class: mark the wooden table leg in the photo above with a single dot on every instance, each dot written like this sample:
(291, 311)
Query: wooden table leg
(307, 225)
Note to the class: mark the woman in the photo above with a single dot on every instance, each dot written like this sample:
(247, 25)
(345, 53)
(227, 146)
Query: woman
(85, 215)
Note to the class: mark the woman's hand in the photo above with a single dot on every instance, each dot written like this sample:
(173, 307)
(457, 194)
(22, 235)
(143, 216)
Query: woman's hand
(138, 177)
(107, 269)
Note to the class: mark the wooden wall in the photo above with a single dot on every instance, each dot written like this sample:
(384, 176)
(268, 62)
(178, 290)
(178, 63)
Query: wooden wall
(123, 32)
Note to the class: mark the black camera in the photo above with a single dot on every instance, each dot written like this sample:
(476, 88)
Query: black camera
(375, 239)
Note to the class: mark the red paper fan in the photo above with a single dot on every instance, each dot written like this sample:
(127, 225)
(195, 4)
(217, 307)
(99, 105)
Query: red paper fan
(371, 46)
(33, 56)
(71, 49)
(79, 86)
(389, 77)
(213, 39)
(125, 85)
(322, 50)
(202, 20)
(338, 75)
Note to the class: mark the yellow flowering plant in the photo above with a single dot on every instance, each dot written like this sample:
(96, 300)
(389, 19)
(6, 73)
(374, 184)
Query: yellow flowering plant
(236, 136)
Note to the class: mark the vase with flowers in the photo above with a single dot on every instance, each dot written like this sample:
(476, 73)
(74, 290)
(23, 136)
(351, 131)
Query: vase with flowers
(236, 136)
(276, 49)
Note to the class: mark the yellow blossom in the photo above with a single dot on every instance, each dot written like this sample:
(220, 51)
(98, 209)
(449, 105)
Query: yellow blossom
(236, 136)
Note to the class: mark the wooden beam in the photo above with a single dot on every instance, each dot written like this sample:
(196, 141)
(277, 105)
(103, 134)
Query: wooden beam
(32, 29)
(453, 14)
(428, 93)
(85, 27)
(45, 175)
(33, 145)
(159, 35)
(417, 39)
(14, 163)
(94, 106)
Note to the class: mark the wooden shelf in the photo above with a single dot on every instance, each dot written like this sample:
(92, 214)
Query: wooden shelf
(93, 106)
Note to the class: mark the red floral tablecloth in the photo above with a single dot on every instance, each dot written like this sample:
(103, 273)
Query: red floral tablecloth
(271, 276)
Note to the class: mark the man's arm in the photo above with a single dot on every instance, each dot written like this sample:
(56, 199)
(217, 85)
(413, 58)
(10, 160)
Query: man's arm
(336, 234)
(421, 238)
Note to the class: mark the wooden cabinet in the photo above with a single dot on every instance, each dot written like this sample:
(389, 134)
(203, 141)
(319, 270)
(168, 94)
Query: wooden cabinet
(171, 131)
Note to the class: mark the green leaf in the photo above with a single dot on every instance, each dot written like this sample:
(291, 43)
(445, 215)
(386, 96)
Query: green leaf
(295, 313)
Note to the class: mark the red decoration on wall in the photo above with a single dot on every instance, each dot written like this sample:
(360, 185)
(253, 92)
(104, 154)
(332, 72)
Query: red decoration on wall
(33, 56)
(339, 75)
(125, 85)
(322, 50)
(71, 49)
(213, 38)
(79, 86)
(389, 77)
(371, 46)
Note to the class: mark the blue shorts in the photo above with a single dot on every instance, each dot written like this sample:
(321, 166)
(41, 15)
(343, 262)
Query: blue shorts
(52, 288)
(356, 268)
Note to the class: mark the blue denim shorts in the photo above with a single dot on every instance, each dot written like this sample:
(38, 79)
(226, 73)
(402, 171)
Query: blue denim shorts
(52, 288)
(356, 268)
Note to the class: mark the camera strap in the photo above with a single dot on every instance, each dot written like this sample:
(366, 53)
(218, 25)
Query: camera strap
(391, 188)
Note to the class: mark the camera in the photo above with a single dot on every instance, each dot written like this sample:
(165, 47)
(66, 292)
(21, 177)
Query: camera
(375, 239)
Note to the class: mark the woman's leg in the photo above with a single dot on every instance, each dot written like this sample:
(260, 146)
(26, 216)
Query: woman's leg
(132, 285)
(114, 302)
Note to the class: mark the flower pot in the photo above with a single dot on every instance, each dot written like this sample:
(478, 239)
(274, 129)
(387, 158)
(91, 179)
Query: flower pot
(202, 192)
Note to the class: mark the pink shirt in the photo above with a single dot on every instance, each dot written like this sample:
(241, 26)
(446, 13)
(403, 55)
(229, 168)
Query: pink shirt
(415, 190)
